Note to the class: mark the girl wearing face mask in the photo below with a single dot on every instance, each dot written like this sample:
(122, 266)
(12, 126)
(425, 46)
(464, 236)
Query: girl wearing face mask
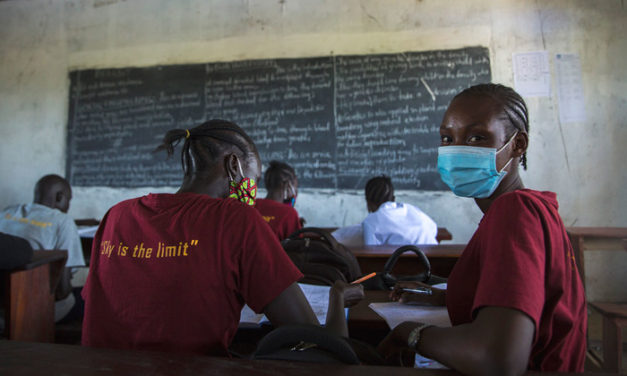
(278, 206)
(515, 297)
(171, 272)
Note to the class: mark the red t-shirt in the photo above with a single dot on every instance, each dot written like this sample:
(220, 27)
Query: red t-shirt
(191, 263)
(282, 218)
(520, 257)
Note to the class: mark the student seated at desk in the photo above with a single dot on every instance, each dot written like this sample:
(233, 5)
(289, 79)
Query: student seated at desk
(171, 272)
(278, 206)
(46, 226)
(514, 297)
(389, 222)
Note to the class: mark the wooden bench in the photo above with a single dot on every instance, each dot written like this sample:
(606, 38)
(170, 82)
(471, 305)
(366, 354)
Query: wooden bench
(614, 314)
(614, 321)
(29, 297)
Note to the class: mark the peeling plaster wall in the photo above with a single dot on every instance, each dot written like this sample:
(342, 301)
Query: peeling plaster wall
(41, 41)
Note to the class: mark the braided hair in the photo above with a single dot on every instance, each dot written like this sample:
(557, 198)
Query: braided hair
(277, 174)
(512, 104)
(379, 190)
(205, 143)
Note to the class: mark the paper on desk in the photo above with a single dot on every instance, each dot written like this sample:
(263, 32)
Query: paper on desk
(87, 232)
(318, 297)
(395, 313)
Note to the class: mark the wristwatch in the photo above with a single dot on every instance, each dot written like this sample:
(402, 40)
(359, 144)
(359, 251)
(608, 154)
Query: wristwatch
(414, 336)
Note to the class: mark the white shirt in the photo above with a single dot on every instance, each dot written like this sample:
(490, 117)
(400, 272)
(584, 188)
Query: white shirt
(45, 228)
(393, 223)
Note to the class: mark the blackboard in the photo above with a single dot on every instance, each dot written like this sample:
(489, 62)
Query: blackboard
(339, 120)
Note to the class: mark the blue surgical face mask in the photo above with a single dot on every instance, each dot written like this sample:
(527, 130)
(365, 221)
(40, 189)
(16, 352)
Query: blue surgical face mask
(289, 198)
(470, 171)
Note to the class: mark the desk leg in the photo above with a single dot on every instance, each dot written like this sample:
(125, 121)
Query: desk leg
(30, 312)
(613, 343)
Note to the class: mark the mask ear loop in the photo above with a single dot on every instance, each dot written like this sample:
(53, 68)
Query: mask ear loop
(507, 143)
(291, 191)
(239, 165)
(503, 147)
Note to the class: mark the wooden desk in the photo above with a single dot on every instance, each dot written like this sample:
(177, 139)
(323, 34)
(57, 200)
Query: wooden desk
(29, 297)
(87, 222)
(44, 359)
(594, 239)
(443, 233)
(442, 258)
(366, 325)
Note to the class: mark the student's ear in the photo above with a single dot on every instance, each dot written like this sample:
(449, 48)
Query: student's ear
(230, 166)
(62, 201)
(521, 141)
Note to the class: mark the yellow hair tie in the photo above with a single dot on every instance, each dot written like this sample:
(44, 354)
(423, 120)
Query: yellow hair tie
(187, 134)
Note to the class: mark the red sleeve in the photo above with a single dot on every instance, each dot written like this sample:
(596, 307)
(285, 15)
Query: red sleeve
(265, 269)
(512, 261)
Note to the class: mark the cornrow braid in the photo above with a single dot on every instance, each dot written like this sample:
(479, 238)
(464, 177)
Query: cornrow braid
(513, 106)
(379, 190)
(207, 142)
(277, 174)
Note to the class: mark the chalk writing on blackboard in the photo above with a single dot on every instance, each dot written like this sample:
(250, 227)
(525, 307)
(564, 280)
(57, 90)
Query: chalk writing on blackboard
(338, 120)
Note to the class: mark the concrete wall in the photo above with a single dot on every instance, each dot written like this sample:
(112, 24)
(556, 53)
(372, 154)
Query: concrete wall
(41, 41)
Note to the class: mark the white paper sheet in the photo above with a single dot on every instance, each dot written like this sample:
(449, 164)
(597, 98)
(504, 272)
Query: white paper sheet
(570, 94)
(532, 77)
(87, 232)
(395, 313)
(318, 297)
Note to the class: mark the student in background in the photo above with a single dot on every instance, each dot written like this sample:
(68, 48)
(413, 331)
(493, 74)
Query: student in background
(515, 297)
(278, 207)
(46, 226)
(171, 272)
(389, 222)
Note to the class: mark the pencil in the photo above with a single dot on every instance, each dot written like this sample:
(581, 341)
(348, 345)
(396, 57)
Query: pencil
(419, 290)
(364, 278)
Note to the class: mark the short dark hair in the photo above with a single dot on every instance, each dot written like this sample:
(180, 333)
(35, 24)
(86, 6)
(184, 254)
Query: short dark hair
(512, 104)
(277, 174)
(379, 190)
(205, 143)
(47, 185)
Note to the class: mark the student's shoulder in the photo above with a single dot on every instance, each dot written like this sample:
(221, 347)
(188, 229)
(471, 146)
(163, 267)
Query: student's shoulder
(12, 208)
(238, 209)
(271, 205)
(264, 203)
(526, 199)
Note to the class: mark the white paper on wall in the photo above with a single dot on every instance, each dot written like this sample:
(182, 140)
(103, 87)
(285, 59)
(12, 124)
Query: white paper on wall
(532, 77)
(570, 88)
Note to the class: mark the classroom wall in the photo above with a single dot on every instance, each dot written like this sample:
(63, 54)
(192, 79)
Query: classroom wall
(41, 41)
